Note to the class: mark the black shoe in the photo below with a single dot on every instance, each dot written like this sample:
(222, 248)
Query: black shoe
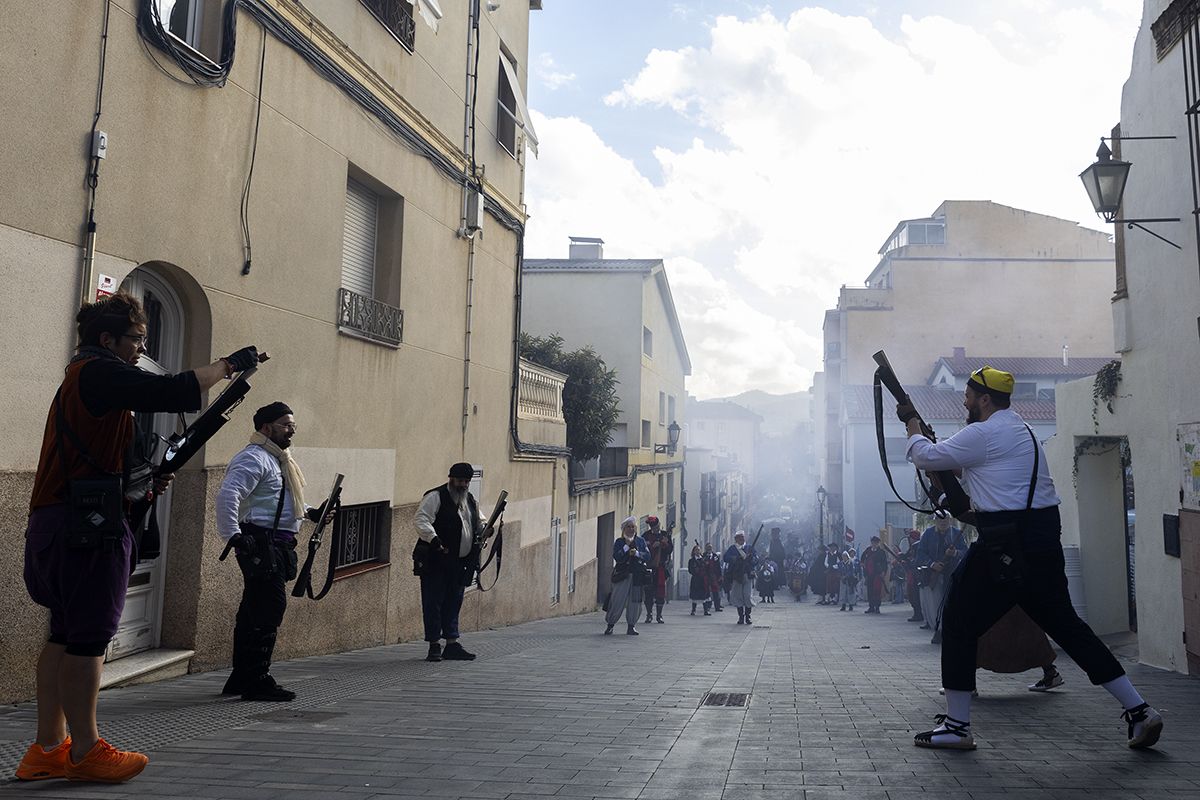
(926, 627)
(937, 638)
(707, 613)
(455, 652)
(631, 631)
(693, 609)
(748, 622)
(648, 619)
(435, 652)
(660, 620)
(608, 630)
(266, 689)
(234, 684)
(916, 618)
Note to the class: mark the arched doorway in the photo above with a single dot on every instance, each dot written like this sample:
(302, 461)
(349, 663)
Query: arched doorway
(141, 623)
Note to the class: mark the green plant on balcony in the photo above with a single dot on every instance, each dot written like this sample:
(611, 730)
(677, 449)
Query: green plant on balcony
(590, 404)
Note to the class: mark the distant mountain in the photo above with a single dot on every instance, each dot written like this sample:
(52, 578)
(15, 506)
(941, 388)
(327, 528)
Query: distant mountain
(780, 412)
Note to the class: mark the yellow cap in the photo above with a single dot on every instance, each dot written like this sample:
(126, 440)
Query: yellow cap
(992, 380)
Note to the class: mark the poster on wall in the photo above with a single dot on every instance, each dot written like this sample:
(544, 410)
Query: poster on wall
(1188, 435)
(105, 286)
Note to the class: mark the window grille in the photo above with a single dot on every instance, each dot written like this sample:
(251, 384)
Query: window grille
(362, 533)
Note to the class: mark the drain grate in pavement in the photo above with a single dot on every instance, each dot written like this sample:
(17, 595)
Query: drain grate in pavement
(726, 699)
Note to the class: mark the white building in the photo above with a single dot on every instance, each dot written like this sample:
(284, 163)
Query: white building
(1145, 577)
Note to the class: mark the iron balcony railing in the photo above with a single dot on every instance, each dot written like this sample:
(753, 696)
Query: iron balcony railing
(397, 17)
(670, 516)
(369, 318)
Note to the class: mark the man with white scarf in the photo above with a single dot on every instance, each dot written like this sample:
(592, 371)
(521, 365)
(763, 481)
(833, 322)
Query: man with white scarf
(259, 510)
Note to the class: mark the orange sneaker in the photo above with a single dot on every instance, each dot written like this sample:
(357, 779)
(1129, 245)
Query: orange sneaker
(106, 764)
(39, 764)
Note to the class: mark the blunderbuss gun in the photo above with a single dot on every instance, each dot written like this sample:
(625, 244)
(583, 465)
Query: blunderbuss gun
(327, 512)
(494, 523)
(180, 449)
(944, 490)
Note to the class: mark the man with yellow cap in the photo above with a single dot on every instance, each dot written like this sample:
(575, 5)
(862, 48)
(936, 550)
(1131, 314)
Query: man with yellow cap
(1018, 559)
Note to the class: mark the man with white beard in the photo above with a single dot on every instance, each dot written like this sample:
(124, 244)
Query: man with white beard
(449, 531)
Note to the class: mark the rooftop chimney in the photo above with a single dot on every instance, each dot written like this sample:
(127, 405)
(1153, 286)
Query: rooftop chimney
(960, 354)
(584, 248)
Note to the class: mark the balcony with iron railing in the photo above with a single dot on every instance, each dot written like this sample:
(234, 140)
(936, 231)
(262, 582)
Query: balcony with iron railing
(539, 405)
(397, 17)
(366, 318)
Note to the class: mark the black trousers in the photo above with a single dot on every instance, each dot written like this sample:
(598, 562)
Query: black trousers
(442, 592)
(259, 615)
(975, 602)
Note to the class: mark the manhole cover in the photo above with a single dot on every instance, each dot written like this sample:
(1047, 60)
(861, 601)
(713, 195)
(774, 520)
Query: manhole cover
(726, 700)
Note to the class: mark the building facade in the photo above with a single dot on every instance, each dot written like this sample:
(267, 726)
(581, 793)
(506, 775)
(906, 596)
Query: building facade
(314, 186)
(975, 275)
(622, 309)
(1128, 439)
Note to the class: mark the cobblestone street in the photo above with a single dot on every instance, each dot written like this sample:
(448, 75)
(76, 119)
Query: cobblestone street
(553, 708)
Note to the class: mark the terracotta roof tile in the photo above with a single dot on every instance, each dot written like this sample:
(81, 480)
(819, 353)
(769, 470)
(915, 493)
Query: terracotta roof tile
(935, 405)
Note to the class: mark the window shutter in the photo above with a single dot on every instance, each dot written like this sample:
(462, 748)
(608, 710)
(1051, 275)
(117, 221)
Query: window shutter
(358, 241)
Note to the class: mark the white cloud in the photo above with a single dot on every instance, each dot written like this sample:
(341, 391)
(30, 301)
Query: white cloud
(550, 73)
(825, 132)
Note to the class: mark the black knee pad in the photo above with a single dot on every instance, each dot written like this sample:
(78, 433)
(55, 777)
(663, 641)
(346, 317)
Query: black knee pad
(87, 649)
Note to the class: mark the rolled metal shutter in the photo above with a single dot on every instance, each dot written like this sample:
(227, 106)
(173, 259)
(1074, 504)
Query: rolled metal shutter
(358, 241)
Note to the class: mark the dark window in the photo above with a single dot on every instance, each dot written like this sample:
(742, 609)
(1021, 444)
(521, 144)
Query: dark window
(506, 113)
(397, 17)
(1045, 394)
(363, 533)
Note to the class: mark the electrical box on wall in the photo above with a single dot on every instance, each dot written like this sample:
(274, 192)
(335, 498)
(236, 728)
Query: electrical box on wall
(99, 144)
(474, 221)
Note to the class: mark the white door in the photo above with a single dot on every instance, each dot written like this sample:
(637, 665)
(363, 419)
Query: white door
(141, 622)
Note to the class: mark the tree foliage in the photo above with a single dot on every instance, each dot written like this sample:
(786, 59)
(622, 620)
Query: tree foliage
(590, 403)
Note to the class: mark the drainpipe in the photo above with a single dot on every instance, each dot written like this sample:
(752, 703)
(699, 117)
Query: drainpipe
(468, 133)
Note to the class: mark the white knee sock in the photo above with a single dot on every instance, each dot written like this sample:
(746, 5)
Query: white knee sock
(958, 705)
(1123, 690)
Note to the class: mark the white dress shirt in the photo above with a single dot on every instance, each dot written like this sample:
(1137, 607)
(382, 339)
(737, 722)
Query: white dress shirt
(996, 459)
(427, 512)
(250, 493)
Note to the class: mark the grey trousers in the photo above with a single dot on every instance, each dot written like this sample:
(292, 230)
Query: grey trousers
(626, 599)
(741, 594)
(932, 599)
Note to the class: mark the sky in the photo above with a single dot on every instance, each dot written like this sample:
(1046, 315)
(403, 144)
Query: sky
(766, 151)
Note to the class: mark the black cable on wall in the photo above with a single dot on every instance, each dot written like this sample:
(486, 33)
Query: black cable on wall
(214, 74)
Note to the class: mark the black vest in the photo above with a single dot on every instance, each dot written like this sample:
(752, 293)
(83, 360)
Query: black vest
(447, 524)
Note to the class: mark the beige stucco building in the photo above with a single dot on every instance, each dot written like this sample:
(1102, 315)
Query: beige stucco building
(391, 322)
(622, 309)
(975, 275)
(1129, 477)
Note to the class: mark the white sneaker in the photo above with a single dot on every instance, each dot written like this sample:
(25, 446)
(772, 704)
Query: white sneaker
(1145, 726)
(1045, 685)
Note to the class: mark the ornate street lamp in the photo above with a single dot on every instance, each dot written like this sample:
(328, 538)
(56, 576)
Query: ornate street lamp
(1105, 184)
(672, 439)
